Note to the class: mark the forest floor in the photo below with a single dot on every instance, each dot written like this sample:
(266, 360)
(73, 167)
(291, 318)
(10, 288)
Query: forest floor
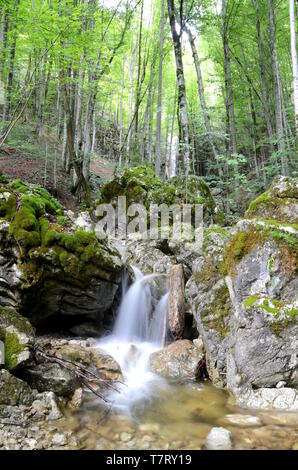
(24, 158)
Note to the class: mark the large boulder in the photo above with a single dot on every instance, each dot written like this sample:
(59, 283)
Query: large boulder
(279, 203)
(141, 185)
(243, 295)
(50, 377)
(180, 360)
(47, 266)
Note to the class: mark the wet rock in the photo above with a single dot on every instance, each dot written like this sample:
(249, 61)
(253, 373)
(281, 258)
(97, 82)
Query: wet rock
(77, 398)
(85, 353)
(243, 421)
(180, 360)
(125, 436)
(59, 439)
(268, 398)
(14, 391)
(50, 377)
(219, 439)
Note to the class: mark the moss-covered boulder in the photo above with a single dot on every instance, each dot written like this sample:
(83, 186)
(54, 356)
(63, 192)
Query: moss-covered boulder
(243, 295)
(17, 335)
(141, 185)
(279, 203)
(48, 266)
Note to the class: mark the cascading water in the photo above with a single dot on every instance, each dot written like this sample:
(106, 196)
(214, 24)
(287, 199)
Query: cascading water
(138, 332)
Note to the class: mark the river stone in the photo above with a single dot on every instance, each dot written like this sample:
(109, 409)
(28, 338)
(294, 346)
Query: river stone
(87, 355)
(179, 360)
(14, 391)
(268, 399)
(219, 439)
(243, 421)
(51, 377)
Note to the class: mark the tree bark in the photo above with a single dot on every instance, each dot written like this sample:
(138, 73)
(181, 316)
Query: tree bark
(294, 61)
(231, 123)
(278, 89)
(159, 99)
(263, 77)
(182, 102)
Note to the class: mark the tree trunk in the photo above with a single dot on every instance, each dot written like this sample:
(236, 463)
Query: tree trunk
(294, 61)
(138, 89)
(278, 89)
(182, 103)
(263, 77)
(10, 75)
(177, 301)
(202, 98)
(228, 83)
(159, 99)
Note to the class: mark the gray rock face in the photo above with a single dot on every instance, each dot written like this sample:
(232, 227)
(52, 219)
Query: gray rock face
(243, 295)
(14, 391)
(219, 439)
(45, 377)
(180, 360)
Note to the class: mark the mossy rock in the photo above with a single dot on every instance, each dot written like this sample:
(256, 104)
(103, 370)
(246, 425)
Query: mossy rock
(279, 203)
(3, 178)
(17, 335)
(141, 185)
(242, 242)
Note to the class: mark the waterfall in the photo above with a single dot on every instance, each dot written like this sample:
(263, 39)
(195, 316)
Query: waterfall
(133, 319)
(138, 332)
(159, 322)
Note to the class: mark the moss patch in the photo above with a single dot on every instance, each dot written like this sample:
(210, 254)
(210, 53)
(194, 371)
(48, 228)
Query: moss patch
(141, 185)
(243, 242)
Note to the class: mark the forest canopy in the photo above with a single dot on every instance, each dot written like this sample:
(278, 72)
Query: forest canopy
(206, 87)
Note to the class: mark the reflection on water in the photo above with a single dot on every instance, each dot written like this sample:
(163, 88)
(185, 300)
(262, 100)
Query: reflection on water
(180, 417)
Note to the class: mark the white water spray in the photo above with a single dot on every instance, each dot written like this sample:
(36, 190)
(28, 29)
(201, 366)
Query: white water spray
(139, 331)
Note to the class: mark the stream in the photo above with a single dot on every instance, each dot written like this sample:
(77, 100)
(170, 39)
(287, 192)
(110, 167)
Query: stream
(150, 412)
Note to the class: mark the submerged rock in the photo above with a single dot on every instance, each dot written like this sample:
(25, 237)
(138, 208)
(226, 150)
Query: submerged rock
(219, 439)
(179, 360)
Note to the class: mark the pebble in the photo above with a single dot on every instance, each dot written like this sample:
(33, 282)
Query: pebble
(219, 439)
(59, 439)
(125, 436)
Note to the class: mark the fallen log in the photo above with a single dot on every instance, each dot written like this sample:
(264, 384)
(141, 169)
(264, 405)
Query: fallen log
(177, 301)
